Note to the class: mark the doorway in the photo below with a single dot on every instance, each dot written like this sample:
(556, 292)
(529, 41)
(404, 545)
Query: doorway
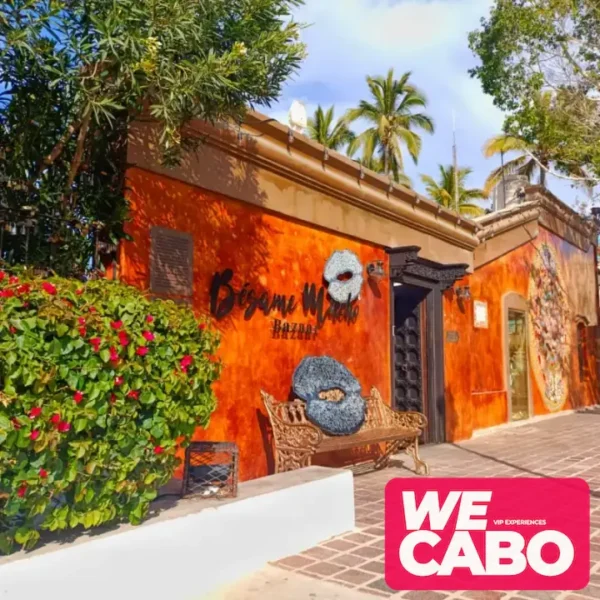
(517, 365)
(417, 340)
(516, 357)
(410, 351)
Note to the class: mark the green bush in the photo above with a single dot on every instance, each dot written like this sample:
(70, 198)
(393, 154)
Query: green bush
(99, 387)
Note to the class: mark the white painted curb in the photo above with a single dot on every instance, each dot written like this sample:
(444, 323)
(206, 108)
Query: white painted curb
(185, 557)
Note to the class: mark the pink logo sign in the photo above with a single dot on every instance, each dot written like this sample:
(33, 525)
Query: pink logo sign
(487, 534)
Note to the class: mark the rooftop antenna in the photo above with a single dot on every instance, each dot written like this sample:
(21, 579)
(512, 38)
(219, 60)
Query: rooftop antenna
(455, 162)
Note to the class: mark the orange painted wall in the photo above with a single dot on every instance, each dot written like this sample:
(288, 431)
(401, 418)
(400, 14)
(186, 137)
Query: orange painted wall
(482, 402)
(457, 365)
(274, 254)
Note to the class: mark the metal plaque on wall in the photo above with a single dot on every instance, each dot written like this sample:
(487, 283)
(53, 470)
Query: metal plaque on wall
(171, 262)
(452, 337)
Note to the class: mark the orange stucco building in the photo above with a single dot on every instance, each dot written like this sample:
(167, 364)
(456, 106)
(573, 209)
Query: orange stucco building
(250, 230)
(528, 333)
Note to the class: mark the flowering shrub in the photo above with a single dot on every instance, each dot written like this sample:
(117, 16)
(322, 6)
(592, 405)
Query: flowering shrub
(99, 386)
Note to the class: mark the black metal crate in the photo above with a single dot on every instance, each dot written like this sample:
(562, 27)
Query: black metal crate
(211, 470)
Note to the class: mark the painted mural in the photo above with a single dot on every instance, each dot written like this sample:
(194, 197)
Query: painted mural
(550, 324)
(262, 280)
(556, 282)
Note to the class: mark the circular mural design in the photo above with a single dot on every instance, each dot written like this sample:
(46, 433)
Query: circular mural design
(549, 327)
(342, 413)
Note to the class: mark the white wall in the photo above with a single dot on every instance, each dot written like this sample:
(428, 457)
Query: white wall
(185, 557)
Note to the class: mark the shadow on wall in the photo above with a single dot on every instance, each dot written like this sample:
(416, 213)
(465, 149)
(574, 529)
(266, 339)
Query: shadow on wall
(224, 234)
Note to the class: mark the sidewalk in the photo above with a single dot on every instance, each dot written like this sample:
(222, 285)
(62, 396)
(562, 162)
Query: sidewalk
(351, 567)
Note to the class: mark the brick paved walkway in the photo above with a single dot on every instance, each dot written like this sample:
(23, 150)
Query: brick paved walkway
(564, 446)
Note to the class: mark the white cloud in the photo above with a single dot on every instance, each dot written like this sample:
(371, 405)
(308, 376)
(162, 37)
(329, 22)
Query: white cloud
(349, 39)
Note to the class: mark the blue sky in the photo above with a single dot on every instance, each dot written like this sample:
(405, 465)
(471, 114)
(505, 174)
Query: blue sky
(349, 39)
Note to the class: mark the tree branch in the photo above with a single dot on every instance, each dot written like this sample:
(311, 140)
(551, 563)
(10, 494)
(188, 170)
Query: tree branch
(78, 157)
(60, 145)
(590, 181)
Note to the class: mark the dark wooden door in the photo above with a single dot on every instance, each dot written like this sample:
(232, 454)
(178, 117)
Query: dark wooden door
(409, 349)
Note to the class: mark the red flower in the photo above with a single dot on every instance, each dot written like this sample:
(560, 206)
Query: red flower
(202, 327)
(148, 336)
(25, 304)
(15, 423)
(2, 275)
(12, 329)
(149, 318)
(22, 490)
(79, 291)
(186, 361)
(114, 355)
(95, 342)
(123, 339)
(135, 394)
(92, 309)
(63, 426)
(43, 473)
(113, 398)
(81, 320)
(116, 324)
(35, 412)
(78, 397)
(34, 435)
(142, 351)
(24, 289)
(118, 380)
(13, 279)
(158, 449)
(82, 331)
(55, 419)
(6, 293)
(49, 288)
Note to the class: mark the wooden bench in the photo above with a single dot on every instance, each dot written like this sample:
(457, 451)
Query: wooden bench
(296, 439)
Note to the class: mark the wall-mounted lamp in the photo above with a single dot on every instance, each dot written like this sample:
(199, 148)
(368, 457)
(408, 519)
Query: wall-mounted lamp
(290, 136)
(376, 270)
(326, 154)
(463, 293)
(362, 172)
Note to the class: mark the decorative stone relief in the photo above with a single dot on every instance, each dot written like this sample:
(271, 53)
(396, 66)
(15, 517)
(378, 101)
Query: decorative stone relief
(339, 263)
(318, 376)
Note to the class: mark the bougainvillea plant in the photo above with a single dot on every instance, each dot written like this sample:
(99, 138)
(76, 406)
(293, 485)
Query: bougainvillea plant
(99, 387)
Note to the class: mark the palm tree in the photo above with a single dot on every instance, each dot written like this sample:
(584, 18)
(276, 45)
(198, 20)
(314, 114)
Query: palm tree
(534, 158)
(442, 191)
(322, 129)
(527, 164)
(390, 114)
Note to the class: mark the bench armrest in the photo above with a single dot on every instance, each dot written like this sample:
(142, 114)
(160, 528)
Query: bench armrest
(404, 419)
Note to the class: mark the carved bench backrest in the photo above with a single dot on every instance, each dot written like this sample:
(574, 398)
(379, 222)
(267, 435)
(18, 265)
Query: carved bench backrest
(293, 413)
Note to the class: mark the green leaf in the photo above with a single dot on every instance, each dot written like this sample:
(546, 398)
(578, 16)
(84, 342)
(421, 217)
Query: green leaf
(80, 424)
(61, 329)
(73, 380)
(147, 397)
